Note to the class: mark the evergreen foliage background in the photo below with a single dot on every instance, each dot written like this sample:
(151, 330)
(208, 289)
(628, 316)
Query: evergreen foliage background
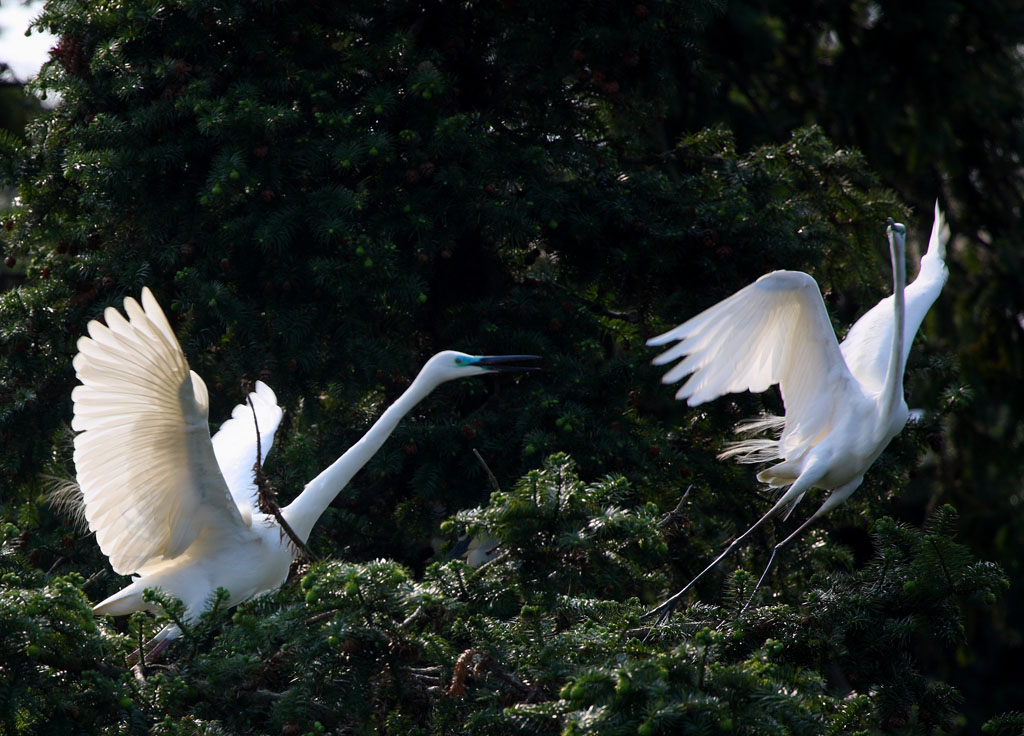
(323, 194)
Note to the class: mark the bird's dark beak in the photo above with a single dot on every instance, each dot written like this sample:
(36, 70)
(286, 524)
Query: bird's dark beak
(501, 363)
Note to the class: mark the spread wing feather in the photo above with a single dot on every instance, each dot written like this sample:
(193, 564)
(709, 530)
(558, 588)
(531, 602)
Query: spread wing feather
(145, 463)
(774, 331)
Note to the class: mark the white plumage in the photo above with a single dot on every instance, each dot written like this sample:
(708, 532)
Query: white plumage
(171, 506)
(235, 443)
(775, 331)
(844, 402)
(146, 467)
(866, 347)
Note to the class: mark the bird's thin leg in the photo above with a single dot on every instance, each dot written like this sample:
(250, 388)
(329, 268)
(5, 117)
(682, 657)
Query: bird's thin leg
(159, 647)
(834, 499)
(811, 475)
(149, 651)
(665, 610)
(771, 560)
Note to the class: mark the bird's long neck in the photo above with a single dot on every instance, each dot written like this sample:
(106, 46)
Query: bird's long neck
(302, 513)
(893, 389)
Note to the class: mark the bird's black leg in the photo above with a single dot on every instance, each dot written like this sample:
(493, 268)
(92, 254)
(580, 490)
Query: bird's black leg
(771, 560)
(665, 610)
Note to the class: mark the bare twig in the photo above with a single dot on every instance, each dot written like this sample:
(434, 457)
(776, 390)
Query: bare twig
(266, 495)
(322, 616)
(490, 475)
(478, 664)
(60, 561)
(492, 561)
(102, 572)
(418, 613)
(677, 511)
(593, 306)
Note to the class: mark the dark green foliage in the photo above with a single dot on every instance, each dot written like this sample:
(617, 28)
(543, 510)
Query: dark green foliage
(552, 520)
(546, 638)
(323, 194)
(58, 671)
(1008, 723)
(328, 201)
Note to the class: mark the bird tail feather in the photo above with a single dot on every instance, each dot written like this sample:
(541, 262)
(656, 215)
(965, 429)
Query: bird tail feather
(65, 495)
(756, 449)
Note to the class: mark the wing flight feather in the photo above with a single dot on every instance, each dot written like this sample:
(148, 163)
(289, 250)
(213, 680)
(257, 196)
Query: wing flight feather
(774, 331)
(145, 463)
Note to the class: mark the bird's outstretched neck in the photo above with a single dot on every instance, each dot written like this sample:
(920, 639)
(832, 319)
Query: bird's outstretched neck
(302, 513)
(447, 365)
(893, 386)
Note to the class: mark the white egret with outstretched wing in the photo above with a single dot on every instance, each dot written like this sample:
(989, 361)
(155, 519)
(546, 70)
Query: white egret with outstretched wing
(171, 506)
(844, 402)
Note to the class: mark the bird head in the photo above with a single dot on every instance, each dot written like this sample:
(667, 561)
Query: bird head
(897, 233)
(451, 364)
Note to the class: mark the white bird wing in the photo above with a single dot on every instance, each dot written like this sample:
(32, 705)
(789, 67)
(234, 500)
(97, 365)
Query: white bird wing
(235, 443)
(869, 342)
(149, 479)
(776, 330)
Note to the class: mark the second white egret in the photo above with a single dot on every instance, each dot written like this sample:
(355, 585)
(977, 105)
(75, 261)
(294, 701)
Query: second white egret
(844, 402)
